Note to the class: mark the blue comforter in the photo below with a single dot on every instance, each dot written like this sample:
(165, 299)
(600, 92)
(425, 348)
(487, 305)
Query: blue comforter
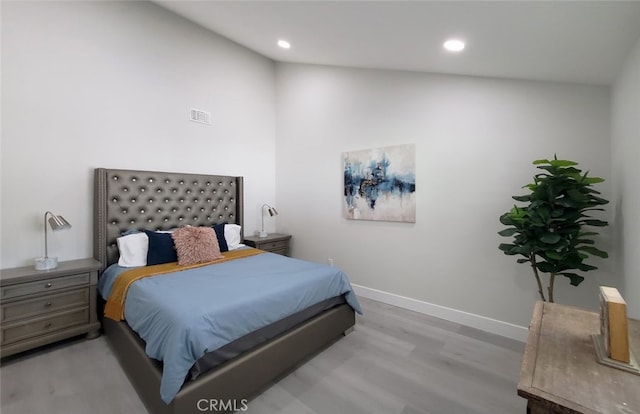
(183, 315)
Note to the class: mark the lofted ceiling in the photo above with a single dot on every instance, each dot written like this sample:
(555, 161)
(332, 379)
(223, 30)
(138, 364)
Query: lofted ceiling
(566, 41)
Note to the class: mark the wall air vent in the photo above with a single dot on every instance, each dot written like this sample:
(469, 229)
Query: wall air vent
(198, 115)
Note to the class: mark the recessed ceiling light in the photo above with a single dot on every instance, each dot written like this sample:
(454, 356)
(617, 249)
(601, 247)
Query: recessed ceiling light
(454, 45)
(284, 44)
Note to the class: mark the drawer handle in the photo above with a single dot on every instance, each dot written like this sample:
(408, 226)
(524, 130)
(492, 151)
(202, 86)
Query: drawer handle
(47, 304)
(47, 325)
(48, 285)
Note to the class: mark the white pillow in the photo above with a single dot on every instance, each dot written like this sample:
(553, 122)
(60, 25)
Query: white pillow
(133, 250)
(232, 235)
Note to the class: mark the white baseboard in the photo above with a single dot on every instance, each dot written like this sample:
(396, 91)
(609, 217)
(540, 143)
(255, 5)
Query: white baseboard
(509, 330)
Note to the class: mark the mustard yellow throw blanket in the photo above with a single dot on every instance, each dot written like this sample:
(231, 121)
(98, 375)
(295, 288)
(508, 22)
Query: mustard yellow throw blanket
(114, 308)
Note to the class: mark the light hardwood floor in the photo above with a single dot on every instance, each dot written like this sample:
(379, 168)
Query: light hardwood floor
(396, 361)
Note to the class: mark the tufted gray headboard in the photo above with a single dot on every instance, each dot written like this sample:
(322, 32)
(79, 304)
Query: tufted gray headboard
(152, 200)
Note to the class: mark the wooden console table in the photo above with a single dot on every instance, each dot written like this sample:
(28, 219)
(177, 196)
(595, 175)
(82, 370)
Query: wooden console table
(560, 372)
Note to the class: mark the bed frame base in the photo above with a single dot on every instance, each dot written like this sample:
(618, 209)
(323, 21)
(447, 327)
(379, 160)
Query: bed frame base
(240, 379)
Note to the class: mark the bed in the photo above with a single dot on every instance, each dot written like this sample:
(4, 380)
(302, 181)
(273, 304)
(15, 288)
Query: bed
(126, 199)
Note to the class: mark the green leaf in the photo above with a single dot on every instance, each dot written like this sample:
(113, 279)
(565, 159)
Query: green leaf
(544, 212)
(507, 220)
(550, 238)
(562, 163)
(578, 196)
(584, 241)
(574, 278)
(508, 232)
(549, 168)
(568, 229)
(546, 267)
(594, 222)
(592, 180)
(536, 162)
(569, 171)
(523, 260)
(599, 200)
(553, 255)
(523, 198)
(594, 251)
(524, 250)
(508, 248)
(511, 219)
(585, 267)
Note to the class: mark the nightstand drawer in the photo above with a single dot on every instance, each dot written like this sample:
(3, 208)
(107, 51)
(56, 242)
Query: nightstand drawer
(45, 304)
(278, 245)
(41, 286)
(19, 331)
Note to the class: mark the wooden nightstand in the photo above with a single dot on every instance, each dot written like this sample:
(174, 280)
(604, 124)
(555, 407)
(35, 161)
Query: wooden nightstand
(274, 242)
(38, 307)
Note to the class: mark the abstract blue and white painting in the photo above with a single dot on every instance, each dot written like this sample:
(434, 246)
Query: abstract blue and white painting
(380, 184)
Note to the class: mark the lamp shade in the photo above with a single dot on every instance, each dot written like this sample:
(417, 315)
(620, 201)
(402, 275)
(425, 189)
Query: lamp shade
(58, 223)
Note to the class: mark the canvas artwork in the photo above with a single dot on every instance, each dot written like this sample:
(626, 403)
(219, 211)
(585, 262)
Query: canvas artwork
(380, 184)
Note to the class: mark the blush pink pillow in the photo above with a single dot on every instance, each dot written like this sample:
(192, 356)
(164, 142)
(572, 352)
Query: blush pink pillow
(196, 245)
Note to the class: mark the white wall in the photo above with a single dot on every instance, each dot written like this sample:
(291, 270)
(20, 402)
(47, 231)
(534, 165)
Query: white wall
(475, 141)
(626, 172)
(110, 84)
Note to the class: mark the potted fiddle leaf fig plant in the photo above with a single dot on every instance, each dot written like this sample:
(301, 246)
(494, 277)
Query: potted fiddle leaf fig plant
(551, 232)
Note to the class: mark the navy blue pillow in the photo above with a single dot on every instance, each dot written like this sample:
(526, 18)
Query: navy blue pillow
(222, 242)
(161, 248)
